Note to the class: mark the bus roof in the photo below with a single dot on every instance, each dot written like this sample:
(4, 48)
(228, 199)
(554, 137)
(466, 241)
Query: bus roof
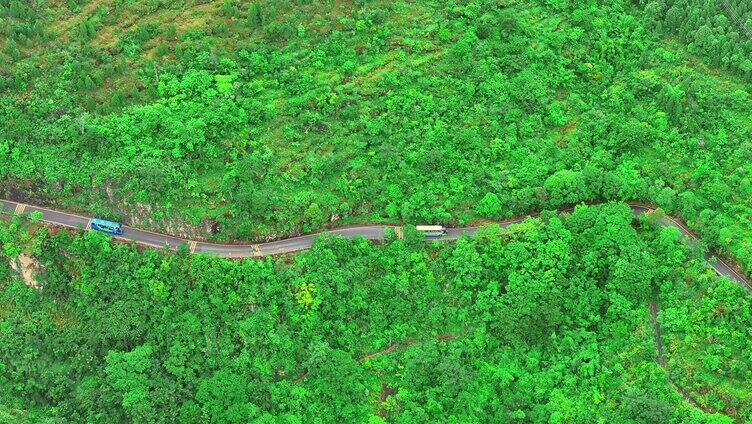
(105, 222)
(429, 227)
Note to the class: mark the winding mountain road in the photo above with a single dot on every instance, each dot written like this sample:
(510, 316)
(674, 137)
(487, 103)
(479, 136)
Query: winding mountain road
(371, 232)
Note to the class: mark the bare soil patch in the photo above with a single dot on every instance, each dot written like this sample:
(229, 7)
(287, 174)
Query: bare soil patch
(26, 266)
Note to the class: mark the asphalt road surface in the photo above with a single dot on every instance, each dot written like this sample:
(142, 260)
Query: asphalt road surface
(371, 232)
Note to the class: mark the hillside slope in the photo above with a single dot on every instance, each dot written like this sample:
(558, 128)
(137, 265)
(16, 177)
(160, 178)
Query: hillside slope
(252, 120)
(545, 322)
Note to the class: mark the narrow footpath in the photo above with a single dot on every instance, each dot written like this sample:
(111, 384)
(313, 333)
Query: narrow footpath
(661, 359)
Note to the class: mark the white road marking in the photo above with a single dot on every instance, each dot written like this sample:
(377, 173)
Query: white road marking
(20, 208)
(193, 246)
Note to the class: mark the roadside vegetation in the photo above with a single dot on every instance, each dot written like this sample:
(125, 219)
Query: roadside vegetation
(547, 321)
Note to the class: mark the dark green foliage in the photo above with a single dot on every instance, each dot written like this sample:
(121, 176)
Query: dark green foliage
(644, 408)
(718, 31)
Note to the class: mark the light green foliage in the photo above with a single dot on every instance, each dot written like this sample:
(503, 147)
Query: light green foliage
(489, 206)
(711, 353)
(126, 373)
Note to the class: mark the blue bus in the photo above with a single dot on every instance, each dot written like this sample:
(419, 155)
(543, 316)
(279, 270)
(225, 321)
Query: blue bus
(107, 226)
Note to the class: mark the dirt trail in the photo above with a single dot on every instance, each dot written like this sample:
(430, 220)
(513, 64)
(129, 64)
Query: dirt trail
(387, 349)
(661, 359)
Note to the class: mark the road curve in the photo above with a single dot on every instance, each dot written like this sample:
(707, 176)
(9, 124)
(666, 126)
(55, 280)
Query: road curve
(370, 232)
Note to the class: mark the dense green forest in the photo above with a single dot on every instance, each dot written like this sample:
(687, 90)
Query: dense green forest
(547, 321)
(255, 120)
(229, 119)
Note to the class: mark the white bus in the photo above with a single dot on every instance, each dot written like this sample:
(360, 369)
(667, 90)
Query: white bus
(431, 230)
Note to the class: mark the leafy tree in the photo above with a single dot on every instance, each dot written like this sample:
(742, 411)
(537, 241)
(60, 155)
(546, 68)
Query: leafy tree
(489, 206)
